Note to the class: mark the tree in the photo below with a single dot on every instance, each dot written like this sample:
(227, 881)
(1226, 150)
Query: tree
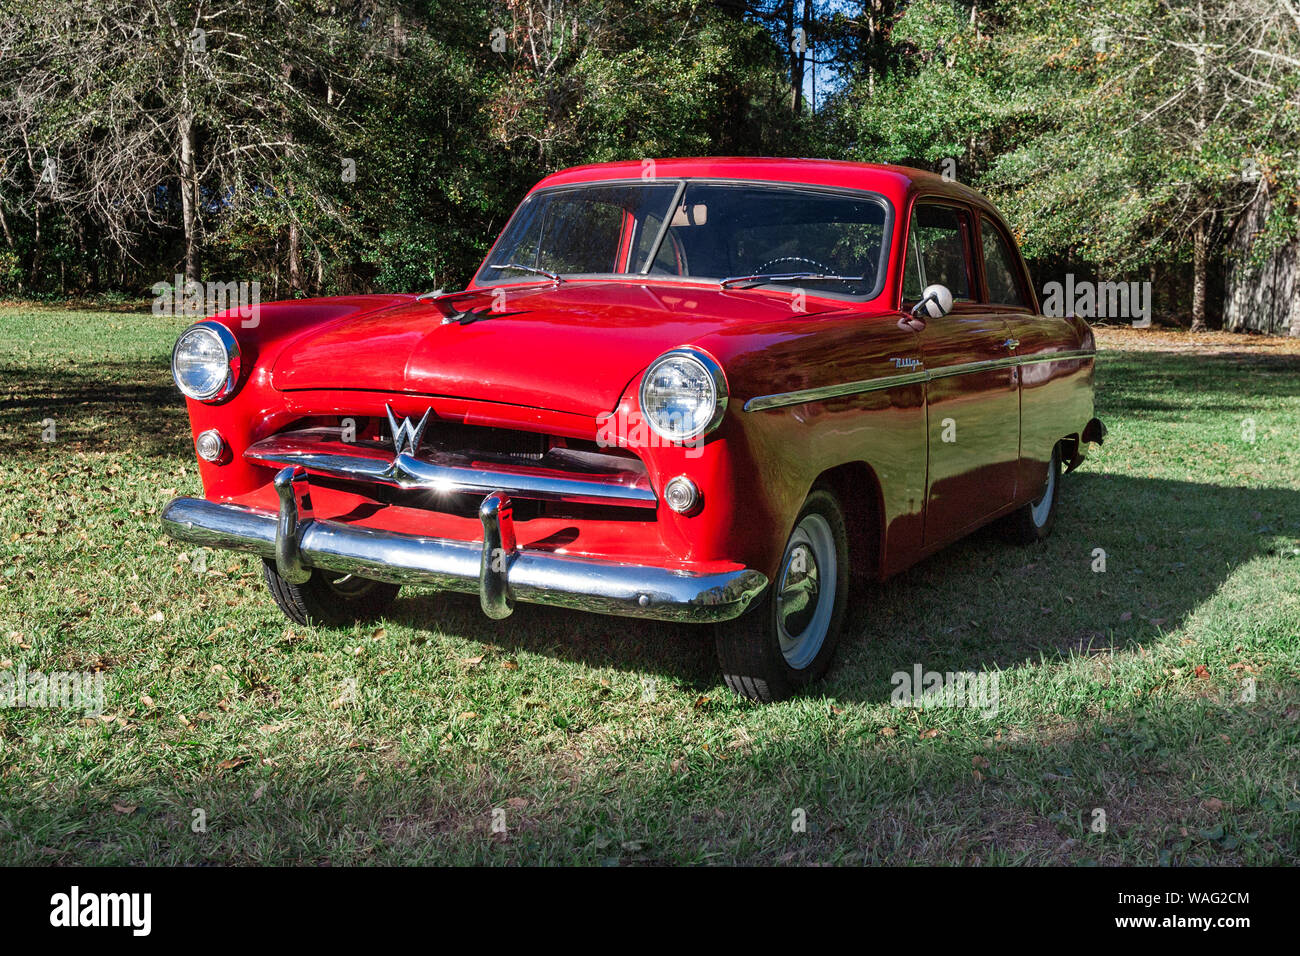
(1125, 137)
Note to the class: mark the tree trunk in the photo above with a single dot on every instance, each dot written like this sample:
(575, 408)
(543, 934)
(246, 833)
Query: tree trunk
(788, 10)
(1200, 270)
(34, 274)
(798, 56)
(189, 195)
(295, 232)
(295, 259)
(1262, 297)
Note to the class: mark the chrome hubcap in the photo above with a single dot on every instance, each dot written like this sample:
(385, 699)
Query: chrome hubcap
(349, 585)
(805, 594)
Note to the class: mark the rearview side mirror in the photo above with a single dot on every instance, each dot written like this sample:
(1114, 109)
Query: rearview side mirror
(936, 302)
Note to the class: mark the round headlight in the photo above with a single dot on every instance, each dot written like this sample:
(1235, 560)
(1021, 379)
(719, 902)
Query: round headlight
(683, 395)
(205, 362)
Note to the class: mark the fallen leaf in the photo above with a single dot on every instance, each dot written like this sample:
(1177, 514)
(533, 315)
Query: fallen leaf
(1213, 804)
(510, 665)
(123, 808)
(1202, 672)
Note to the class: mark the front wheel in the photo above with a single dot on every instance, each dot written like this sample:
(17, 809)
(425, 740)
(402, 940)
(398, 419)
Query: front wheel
(328, 598)
(787, 640)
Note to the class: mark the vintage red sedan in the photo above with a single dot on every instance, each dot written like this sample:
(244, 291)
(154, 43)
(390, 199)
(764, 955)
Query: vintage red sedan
(698, 390)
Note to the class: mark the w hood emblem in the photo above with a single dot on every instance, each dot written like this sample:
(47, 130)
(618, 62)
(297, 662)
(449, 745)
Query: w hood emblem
(407, 435)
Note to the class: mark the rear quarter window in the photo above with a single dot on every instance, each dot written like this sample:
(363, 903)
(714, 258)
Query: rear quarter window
(1001, 268)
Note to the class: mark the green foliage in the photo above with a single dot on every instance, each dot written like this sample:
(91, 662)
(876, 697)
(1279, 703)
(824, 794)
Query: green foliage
(444, 131)
(1109, 137)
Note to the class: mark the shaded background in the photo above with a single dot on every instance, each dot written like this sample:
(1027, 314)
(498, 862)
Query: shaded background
(335, 147)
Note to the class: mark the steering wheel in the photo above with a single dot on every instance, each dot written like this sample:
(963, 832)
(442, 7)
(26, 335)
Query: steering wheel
(811, 262)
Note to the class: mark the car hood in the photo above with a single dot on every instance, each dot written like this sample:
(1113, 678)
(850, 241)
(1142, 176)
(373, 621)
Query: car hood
(574, 348)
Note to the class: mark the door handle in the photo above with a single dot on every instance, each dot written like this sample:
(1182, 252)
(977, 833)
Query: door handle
(1011, 343)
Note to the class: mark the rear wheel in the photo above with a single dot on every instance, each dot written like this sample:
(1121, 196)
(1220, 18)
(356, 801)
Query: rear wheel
(329, 598)
(1033, 522)
(787, 640)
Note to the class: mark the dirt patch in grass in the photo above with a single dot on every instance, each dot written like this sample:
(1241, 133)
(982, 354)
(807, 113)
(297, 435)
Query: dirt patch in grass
(1127, 339)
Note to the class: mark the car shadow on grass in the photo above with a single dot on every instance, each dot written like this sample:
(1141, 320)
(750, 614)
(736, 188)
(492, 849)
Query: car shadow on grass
(1129, 560)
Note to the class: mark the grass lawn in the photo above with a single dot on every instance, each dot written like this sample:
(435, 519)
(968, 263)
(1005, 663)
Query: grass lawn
(232, 737)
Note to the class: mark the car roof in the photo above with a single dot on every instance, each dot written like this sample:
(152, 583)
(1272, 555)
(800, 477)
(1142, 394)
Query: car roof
(894, 182)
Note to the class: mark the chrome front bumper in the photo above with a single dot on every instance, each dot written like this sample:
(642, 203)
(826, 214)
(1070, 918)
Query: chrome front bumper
(497, 568)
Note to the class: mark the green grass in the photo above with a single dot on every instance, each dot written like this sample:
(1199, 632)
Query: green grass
(395, 743)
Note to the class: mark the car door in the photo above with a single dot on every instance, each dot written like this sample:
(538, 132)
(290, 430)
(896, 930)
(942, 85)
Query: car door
(972, 400)
(1043, 384)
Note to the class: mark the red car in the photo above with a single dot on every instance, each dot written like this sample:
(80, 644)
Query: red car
(698, 390)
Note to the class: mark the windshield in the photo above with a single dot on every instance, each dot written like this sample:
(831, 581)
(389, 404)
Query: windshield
(748, 233)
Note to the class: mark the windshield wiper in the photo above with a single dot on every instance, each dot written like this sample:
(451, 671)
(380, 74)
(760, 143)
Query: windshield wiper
(787, 277)
(533, 269)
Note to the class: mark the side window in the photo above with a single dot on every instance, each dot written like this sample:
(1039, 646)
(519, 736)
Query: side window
(937, 251)
(580, 236)
(1000, 267)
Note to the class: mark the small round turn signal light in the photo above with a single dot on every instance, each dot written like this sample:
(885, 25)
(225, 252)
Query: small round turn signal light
(681, 495)
(210, 446)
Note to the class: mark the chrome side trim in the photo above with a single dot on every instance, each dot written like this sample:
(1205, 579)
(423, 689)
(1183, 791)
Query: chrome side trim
(834, 391)
(533, 577)
(1057, 356)
(578, 481)
(966, 368)
(803, 396)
